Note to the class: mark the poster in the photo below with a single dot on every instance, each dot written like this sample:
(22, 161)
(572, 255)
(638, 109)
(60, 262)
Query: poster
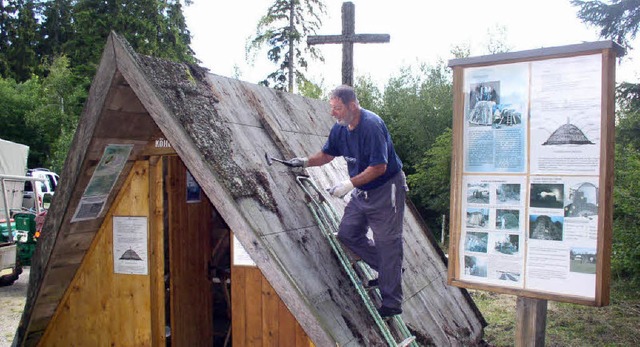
(101, 183)
(130, 255)
(530, 194)
(565, 115)
(493, 230)
(193, 189)
(240, 255)
(495, 124)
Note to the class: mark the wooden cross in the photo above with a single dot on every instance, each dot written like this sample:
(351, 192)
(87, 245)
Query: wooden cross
(348, 38)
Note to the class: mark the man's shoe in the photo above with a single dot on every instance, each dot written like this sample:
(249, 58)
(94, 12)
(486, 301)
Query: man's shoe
(372, 283)
(385, 311)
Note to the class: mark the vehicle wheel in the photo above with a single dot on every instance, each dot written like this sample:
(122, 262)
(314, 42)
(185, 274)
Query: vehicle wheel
(8, 280)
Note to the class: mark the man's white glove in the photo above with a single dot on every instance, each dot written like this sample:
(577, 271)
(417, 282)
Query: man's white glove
(298, 162)
(341, 189)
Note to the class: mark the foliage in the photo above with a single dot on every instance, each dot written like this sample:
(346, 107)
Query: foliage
(617, 21)
(567, 324)
(626, 198)
(369, 95)
(412, 99)
(152, 27)
(430, 184)
(49, 51)
(310, 90)
(39, 112)
(16, 100)
(283, 29)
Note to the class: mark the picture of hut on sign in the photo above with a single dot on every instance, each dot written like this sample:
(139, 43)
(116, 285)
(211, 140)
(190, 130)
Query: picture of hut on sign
(545, 227)
(477, 217)
(478, 193)
(485, 108)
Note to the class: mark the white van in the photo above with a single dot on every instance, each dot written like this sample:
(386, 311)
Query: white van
(40, 192)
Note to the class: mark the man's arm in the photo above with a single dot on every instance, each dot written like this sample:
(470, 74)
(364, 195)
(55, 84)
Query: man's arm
(319, 159)
(368, 175)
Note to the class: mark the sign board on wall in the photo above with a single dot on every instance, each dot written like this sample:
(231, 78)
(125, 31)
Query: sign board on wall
(532, 172)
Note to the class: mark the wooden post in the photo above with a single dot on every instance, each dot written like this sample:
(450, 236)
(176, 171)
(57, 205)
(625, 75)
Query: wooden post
(531, 321)
(347, 39)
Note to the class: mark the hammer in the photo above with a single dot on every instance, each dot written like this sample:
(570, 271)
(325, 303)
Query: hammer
(271, 159)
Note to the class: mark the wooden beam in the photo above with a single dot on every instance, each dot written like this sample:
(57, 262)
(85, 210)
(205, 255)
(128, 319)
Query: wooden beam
(347, 39)
(531, 321)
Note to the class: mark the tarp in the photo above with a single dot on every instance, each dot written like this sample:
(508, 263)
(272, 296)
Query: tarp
(13, 161)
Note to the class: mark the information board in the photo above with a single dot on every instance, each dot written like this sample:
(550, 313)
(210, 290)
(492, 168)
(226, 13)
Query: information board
(532, 179)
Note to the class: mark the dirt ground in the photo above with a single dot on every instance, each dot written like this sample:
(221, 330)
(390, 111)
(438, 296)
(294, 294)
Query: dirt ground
(12, 299)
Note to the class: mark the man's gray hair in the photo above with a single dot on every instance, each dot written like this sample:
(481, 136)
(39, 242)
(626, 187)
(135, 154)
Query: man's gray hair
(345, 93)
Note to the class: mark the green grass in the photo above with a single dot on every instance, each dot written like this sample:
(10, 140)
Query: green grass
(568, 325)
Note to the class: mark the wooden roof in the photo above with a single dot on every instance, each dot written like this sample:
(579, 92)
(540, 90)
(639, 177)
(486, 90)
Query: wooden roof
(222, 128)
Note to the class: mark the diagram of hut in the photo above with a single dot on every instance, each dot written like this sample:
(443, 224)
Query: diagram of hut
(130, 254)
(568, 134)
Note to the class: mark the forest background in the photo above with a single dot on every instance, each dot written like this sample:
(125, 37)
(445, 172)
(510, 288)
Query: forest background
(49, 51)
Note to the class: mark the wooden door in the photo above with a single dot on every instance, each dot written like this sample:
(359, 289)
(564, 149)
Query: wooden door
(190, 289)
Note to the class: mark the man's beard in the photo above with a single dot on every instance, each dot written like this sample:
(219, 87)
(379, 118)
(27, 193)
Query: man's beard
(346, 120)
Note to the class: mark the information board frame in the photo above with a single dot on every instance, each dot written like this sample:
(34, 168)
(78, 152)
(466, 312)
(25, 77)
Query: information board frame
(531, 194)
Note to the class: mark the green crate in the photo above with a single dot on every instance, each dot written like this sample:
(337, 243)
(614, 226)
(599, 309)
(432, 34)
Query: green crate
(25, 222)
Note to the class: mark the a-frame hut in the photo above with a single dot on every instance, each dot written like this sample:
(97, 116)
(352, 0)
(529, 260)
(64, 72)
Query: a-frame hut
(133, 254)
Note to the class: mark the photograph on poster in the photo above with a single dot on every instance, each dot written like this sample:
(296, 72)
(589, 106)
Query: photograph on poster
(496, 102)
(477, 217)
(509, 276)
(545, 195)
(508, 244)
(508, 193)
(193, 189)
(507, 219)
(543, 227)
(476, 242)
(582, 200)
(475, 266)
(478, 193)
(583, 260)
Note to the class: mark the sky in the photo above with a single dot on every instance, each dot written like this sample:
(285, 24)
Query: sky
(421, 32)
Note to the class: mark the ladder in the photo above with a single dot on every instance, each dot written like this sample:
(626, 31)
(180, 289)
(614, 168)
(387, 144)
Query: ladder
(327, 219)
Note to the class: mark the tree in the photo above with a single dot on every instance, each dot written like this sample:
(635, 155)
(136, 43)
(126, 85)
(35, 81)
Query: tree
(60, 100)
(283, 29)
(618, 21)
(21, 56)
(152, 27)
(430, 184)
(56, 29)
(412, 99)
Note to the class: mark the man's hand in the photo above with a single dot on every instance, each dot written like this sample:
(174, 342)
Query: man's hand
(298, 162)
(341, 189)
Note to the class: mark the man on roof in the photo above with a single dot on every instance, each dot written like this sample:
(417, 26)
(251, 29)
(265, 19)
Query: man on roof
(378, 189)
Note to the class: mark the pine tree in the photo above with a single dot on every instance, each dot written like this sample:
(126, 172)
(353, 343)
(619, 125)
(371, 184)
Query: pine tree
(618, 20)
(283, 29)
(22, 58)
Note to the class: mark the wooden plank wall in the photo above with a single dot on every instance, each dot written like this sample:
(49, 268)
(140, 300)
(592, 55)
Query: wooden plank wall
(260, 318)
(191, 292)
(101, 308)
